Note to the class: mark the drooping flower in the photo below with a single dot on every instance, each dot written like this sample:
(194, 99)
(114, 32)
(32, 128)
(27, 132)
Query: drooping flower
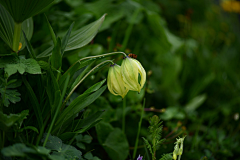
(133, 74)
(114, 81)
(139, 157)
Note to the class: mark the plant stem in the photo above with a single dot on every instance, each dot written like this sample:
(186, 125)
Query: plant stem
(129, 29)
(123, 115)
(139, 128)
(58, 108)
(102, 55)
(179, 157)
(16, 36)
(84, 79)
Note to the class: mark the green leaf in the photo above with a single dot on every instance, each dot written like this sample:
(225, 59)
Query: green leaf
(79, 38)
(77, 105)
(116, 145)
(7, 121)
(34, 102)
(53, 35)
(9, 95)
(53, 143)
(85, 139)
(172, 112)
(21, 150)
(7, 28)
(29, 127)
(15, 150)
(66, 38)
(195, 103)
(29, 47)
(103, 129)
(68, 135)
(56, 58)
(24, 9)
(72, 70)
(69, 152)
(23, 65)
(89, 156)
(87, 121)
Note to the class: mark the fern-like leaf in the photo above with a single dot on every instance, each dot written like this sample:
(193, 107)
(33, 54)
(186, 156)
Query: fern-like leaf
(167, 156)
(148, 145)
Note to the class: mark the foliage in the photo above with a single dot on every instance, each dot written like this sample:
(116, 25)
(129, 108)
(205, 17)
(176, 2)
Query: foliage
(51, 87)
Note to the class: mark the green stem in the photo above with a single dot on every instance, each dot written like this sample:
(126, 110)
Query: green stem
(84, 79)
(139, 128)
(129, 29)
(123, 115)
(58, 108)
(179, 157)
(16, 36)
(102, 55)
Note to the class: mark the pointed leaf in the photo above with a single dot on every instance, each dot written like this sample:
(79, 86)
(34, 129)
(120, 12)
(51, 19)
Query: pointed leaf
(65, 38)
(80, 37)
(21, 10)
(56, 58)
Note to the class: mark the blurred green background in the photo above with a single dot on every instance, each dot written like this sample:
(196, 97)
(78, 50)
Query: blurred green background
(190, 51)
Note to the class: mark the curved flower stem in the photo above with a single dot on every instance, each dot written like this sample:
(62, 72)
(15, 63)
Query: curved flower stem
(84, 79)
(123, 115)
(102, 55)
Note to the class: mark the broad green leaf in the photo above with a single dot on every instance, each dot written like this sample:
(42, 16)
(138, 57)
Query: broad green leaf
(21, 150)
(116, 145)
(172, 112)
(113, 141)
(14, 150)
(8, 94)
(53, 143)
(7, 121)
(7, 28)
(79, 38)
(23, 65)
(103, 130)
(83, 139)
(89, 156)
(195, 103)
(69, 152)
(21, 10)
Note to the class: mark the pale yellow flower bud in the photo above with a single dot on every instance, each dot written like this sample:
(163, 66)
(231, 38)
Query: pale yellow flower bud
(114, 81)
(130, 71)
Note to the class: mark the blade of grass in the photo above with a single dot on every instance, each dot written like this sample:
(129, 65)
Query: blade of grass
(139, 128)
(58, 108)
(66, 38)
(51, 32)
(29, 46)
(34, 101)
